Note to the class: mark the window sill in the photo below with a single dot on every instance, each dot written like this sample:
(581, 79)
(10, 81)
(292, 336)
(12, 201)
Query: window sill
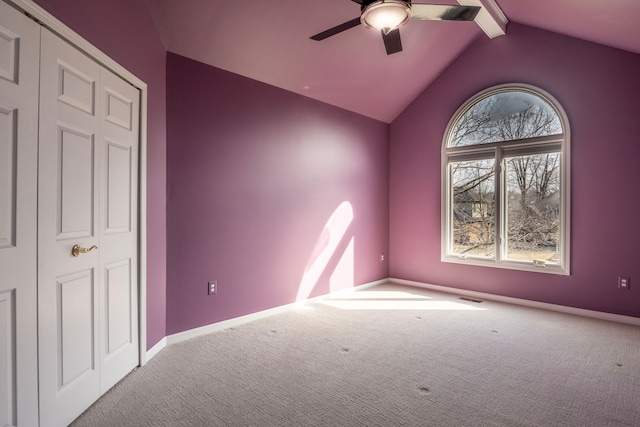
(557, 269)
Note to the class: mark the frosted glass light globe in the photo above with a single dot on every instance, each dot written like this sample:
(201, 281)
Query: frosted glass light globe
(386, 15)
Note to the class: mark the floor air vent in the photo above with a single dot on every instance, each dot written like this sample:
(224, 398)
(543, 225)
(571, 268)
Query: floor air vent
(471, 299)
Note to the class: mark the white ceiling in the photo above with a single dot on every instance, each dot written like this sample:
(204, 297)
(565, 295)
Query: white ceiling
(268, 40)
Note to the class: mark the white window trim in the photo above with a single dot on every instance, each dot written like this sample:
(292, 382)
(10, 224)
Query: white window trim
(563, 267)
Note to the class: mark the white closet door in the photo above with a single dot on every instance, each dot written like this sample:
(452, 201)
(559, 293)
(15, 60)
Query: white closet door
(118, 190)
(87, 195)
(19, 56)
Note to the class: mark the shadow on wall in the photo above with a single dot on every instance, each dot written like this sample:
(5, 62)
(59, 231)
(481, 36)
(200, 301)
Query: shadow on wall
(336, 231)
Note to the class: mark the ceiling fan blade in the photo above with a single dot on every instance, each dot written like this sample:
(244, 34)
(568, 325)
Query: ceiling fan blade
(442, 12)
(337, 29)
(392, 41)
(358, 1)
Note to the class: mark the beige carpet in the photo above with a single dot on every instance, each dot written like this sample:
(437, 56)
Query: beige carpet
(390, 356)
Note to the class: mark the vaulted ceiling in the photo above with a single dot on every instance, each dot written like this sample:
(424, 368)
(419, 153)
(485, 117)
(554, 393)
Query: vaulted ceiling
(268, 40)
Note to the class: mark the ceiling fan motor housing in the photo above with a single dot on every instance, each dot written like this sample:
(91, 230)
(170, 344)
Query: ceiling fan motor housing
(365, 3)
(385, 15)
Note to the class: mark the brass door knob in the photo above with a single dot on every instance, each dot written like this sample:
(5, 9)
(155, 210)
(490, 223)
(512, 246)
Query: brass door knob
(77, 250)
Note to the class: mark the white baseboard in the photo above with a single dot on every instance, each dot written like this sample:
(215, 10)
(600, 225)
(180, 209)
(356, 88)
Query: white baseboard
(154, 350)
(237, 321)
(527, 303)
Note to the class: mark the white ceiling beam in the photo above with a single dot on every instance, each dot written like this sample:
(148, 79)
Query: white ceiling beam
(490, 18)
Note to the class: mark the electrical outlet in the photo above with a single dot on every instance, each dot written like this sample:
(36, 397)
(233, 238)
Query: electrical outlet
(624, 282)
(212, 288)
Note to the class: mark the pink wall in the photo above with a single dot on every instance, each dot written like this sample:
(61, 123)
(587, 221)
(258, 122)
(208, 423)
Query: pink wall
(123, 30)
(600, 91)
(254, 175)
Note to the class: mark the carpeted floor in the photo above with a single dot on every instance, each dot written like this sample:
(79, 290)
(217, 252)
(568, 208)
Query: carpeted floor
(390, 356)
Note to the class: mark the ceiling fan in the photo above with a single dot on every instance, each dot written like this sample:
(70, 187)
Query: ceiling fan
(387, 16)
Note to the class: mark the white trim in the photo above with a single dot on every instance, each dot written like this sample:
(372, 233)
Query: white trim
(160, 345)
(48, 20)
(619, 318)
(490, 18)
(506, 264)
(237, 321)
(142, 232)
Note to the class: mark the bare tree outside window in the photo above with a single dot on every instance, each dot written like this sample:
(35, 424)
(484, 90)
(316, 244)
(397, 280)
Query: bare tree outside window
(530, 182)
(473, 213)
(507, 116)
(533, 207)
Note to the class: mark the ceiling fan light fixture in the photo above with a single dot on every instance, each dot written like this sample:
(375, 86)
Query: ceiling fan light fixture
(386, 15)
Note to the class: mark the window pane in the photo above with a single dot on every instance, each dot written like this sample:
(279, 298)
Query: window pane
(505, 116)
(533, 208)
(472, 185)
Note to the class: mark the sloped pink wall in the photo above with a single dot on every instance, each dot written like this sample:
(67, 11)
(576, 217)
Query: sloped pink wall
(600, 90)
(123, 30)
(255, 174)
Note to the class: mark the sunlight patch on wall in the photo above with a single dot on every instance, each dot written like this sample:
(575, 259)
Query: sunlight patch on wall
(324, 250)
(343, 276)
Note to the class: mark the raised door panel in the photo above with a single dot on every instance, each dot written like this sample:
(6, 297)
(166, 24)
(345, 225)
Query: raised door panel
(9, 54)
(119, 178)
(119, 109)
(76, 335)
(119, 323)
(76, 188)
(76, 88)
(8, 396)
(8, 169)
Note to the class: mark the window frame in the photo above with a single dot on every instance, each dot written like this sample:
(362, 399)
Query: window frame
(501, 151)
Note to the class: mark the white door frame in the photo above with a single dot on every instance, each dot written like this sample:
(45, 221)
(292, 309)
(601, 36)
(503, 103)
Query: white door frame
(51, 22)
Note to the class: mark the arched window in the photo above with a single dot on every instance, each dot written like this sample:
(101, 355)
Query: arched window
(506, 181)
